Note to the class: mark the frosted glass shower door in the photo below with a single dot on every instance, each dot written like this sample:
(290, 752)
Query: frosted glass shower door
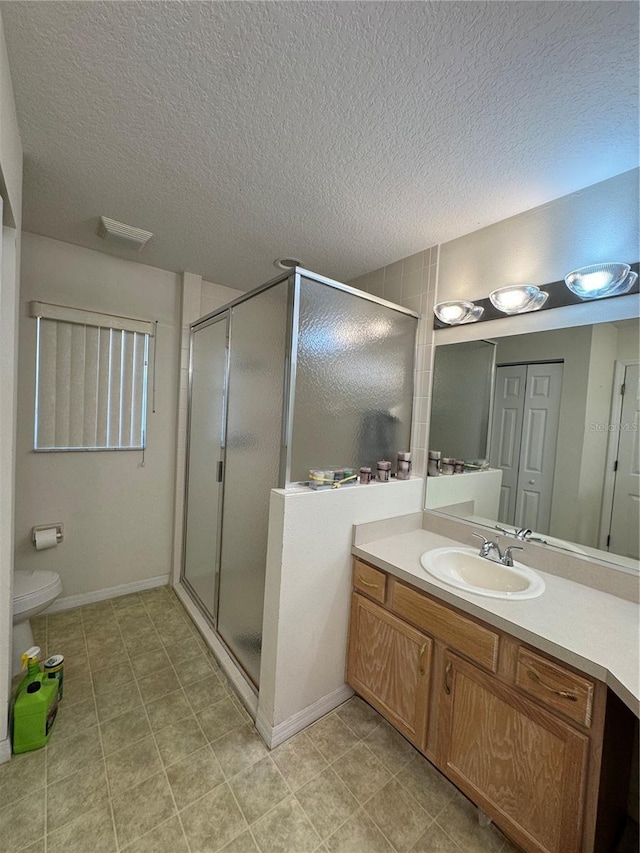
(205, 460)
(257, 364)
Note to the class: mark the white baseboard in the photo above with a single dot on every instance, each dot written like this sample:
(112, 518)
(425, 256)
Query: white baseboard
(70, 601)
(275, 735)
(5, 750)
(244, 690)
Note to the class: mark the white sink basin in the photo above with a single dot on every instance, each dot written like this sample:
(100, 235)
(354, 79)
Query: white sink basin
(465, 569)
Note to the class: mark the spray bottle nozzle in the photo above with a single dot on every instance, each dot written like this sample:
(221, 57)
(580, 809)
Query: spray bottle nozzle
(30, 656)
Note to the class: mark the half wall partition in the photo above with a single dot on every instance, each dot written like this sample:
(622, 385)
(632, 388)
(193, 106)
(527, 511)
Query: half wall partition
(302, 372)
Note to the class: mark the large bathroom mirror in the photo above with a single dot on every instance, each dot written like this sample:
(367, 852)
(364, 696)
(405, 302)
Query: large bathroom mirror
(547, 424)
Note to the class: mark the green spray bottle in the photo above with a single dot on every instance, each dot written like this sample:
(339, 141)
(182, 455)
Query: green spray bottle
(36, 705)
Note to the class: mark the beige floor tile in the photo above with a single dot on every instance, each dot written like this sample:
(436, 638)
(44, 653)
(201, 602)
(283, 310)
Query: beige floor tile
(91, 830)
(216, 809)
(327, 802)
(286, 829)
(435, 840)
(168, 709)
(73, 650)
(174, 632)
(149, 662)
(133, 624)
(239, 749)
(90, 611)
(205, 693)
(180, 739)
(75, 794)
(242, 844)
(429, 787)
(78, 663)
(460, 820)
(194, 776)
(220, 719)
(62, 635)
(147, 640)
(120, 700)
(65, 757)
(361, 772)
(158, 684)
(132, 601)
(20, 822)
(132, 765)
(36, 847)
(390, 747)
(298, 760)
(184, 650)
(140, 809)
(124, 730)
(112, 677)
(361, 718)
(357, 835)
(95, 622)
(23, 775)
(331, 737)
(259, 788)
(64, 620)
(77, 687)
(105, 631)
(166, 838)
(195, 669)
(398, 816)
(104, 650)
(74, 719)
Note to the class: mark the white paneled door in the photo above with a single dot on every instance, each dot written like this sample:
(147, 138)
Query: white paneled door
(625, 522)
(523, 442)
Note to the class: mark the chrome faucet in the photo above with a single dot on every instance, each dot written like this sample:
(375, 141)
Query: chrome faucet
(490, 550)
(523, 534)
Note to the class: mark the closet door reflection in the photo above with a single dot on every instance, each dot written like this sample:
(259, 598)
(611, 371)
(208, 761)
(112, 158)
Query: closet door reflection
(205, 460)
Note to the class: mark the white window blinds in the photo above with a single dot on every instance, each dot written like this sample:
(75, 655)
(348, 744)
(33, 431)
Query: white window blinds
(91, 380)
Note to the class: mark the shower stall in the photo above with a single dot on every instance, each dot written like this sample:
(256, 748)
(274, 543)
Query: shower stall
(302, 372)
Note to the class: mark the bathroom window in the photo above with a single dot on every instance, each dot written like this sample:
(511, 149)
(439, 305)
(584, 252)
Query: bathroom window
(91, 380)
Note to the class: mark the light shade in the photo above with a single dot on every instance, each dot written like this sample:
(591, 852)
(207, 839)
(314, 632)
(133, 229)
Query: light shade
(456, 312)
(518, 298)
(600, 280)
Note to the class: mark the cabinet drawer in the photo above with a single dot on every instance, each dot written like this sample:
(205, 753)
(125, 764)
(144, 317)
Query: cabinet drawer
(556, 687)
(472, 640)
(369, 581)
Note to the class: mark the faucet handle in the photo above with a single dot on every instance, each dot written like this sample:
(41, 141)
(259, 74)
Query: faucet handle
(507, 557)
(485, 541)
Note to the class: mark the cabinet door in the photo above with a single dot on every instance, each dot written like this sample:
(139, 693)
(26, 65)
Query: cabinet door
(522, 765)
(389, 665)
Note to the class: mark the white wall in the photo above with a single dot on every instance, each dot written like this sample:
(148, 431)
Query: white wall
(307, 597)
(596, 224)
(117, 512)
(11, 192)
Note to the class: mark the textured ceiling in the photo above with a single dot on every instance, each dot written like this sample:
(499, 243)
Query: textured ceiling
(345, 134)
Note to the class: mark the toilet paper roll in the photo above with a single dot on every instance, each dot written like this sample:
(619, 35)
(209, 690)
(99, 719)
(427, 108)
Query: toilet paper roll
(47, 538)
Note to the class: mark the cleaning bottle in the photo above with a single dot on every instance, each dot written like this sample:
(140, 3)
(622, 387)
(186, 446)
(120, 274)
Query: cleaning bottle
(36, 705)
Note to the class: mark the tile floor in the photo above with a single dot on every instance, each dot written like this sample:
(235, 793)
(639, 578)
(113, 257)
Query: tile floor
(152, 753)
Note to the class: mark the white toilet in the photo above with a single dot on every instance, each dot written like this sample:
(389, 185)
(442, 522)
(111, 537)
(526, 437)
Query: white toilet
(33, 591)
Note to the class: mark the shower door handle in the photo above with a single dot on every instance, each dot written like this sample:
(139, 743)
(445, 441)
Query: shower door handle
(220, 470)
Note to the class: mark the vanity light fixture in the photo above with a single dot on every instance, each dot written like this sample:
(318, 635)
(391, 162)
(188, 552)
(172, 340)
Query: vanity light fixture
(518, 298)
(600, 280)
(457, 312)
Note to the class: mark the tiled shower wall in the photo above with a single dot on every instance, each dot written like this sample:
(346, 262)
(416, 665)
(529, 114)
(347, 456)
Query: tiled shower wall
(411, 282)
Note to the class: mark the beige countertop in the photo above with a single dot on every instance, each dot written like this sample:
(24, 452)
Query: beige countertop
(591, 630)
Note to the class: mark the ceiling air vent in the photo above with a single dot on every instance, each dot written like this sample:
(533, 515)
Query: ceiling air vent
(123, 235)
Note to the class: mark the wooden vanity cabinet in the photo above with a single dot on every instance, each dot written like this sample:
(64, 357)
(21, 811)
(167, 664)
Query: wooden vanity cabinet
(389, 665)
(521, 734)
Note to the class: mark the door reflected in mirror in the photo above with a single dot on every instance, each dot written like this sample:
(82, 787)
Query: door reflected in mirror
(547, 425)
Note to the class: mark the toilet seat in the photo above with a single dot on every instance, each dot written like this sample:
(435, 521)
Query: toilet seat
(34, 588)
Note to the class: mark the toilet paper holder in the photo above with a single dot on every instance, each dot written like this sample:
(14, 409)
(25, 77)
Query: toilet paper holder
(59, 532)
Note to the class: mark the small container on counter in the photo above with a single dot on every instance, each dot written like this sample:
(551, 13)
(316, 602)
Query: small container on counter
(459, 467)
(331, 478)
(365, 474)
(403, 468)
(448, 465)
(383, 471)
(433, 463)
